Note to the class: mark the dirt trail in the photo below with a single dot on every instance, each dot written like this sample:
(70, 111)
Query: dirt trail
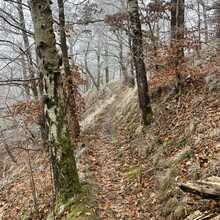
(110, 198)
(115, 200)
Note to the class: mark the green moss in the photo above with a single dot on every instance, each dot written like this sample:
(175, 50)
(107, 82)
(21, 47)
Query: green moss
(66, 178)
(70, 185)
(61, 120)
(176, 96)
(166, 144)
(77, 210)
(172, 203)
(149, 118)
(81, 210)
(133, 173)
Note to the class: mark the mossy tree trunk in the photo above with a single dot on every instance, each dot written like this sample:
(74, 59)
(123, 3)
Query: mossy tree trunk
(66, 179)
(137, 49)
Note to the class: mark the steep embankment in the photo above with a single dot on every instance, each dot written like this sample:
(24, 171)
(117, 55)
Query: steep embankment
(138, 170)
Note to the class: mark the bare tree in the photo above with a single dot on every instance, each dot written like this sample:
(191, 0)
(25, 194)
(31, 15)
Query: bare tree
(30, 65)
(137, 47)
(205, 19)
(216, 7)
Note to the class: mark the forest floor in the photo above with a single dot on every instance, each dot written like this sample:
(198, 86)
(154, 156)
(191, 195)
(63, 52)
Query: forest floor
(138, 170)
(131, 172)
(115, 172)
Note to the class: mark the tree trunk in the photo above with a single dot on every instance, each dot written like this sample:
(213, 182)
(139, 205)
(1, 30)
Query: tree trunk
(137, 47)
(216, 7)
(121, 61)
(33, 88)
(30, 68)
(204, 12)
(73, 123)
(177, 26)
(25, 76)
(131, 60)
(106, 65)
(199, 23)
(87, 68)
(128, 80)
(180, 23)
(66, 179)
(98, 56)
(177, 34)
(173, 20)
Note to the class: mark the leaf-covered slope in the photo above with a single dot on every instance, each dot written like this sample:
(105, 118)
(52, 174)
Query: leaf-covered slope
(128, 171)
(182, 144)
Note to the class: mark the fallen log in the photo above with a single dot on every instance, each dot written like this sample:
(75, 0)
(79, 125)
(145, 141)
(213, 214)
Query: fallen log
(198, 215)
(209, 188)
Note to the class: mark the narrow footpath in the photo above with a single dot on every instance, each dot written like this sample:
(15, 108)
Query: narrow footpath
(119, 198)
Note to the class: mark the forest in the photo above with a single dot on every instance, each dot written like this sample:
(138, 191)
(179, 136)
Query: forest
(109, 110)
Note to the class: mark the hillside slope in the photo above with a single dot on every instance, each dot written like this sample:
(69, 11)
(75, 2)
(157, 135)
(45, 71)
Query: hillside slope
(128, 171)
(139, 169)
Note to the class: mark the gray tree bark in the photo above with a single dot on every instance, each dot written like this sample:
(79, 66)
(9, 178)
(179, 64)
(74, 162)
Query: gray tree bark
(204, 12)
(137, 47)
(30, 66)
(106, 65)
(66, 179)
(96, 84)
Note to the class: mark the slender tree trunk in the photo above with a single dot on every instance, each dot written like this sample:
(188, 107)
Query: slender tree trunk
(154, 43)
(33, 87)
(204, 12)
(177, 34)
(124, 70)
(106, 65)
(131, 56)
(177, 26)
(131, 60)
(122, 64)
(98, 56)
(25, 76)
(87, 68)
(137, 47)
(87, 85)
(199, 22)
(131, 77)
(66, 179)
(173, 20)
(73, 123)
(180, 23)
(216, 6)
